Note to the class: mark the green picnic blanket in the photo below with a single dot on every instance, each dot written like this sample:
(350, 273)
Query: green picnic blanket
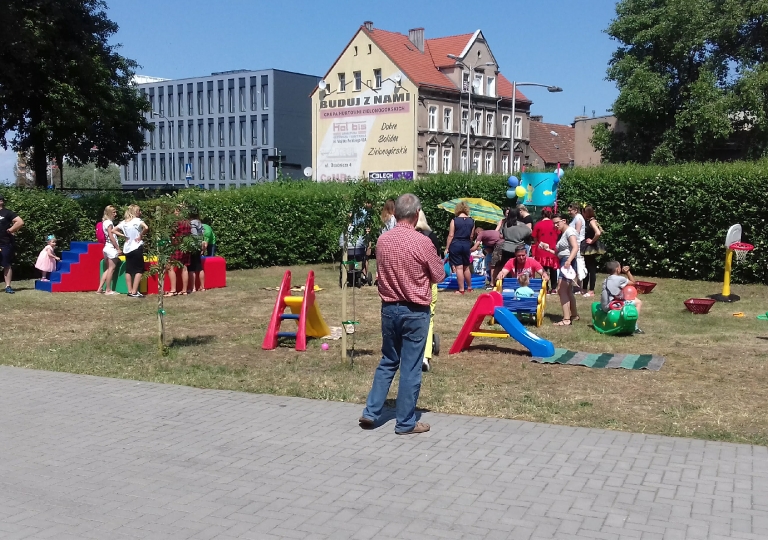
(604, 360)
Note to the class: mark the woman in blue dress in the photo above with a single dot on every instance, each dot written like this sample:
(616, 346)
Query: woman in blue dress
(458, 245)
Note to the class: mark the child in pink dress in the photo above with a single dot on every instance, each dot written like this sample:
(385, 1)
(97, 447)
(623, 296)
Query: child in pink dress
(46, 261)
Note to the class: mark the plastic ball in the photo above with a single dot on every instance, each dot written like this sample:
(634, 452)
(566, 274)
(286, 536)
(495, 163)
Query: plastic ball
(511, 194)
(325, 346)
(520, 191)
(513, 181)
(629, 292)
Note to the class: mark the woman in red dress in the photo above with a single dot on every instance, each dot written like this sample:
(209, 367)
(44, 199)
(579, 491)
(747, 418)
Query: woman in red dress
(544, 232)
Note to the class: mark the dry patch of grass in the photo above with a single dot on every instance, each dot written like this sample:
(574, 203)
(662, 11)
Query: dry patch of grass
(713, 385)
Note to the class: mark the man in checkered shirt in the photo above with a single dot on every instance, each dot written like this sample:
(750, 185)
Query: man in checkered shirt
(408, 265)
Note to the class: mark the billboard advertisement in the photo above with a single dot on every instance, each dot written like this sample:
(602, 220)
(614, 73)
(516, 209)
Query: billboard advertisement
(366, 134)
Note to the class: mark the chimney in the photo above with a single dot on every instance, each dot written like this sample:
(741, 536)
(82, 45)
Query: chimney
(537, 118)
(368, 25)
(416, 36)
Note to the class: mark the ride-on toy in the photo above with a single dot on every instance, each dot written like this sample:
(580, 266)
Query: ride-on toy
(620, 320)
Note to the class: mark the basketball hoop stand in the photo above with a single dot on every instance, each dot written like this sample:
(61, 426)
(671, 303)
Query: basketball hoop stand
(733, 244)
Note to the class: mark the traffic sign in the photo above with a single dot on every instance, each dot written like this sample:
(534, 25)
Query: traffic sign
(188, 170)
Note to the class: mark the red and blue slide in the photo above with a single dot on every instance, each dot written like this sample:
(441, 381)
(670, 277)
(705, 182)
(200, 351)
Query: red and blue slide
(492, 305)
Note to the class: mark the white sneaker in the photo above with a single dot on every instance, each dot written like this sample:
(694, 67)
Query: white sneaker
(425, 365)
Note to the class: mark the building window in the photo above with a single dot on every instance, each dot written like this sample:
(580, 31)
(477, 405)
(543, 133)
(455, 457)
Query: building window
(491, 81)
(201, 167)
(358, 80)
(477, 84)
(254, 167)
(505, 125)
(135, 170)
(264, 92)
(448, 119)
(143, 168)
(377, 78)
(210, 101)
(464, 120)
(161, 133)
(477, 123)
(170, 104)
(231, 132)
(476, 165)
(182, 171)
(489, 127)
(232, 167)
(221, 100)
(200, 134)
(222, 168)
(231, 99)
(254, 130)
(181, 103)
(242, 132)
(447, 161)
(432, 160)
(190, 136)
(160, 104)
(210, 134)
(190, 104)
(152, 139)
(488, 162)
(153, 168)
(170, 135)
(342, 82)
(199, 102)
(463, 163)
(432, 118)
(243, 166)
(516, 164)
(465, 81)
(254, 96)
(264, 129)
(505, 164)
(242, 99)
(211, 168)
(181, 135)
(518, 125)
(162, 168)
(221, 133)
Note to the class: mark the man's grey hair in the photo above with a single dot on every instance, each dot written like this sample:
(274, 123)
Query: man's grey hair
(407, 207)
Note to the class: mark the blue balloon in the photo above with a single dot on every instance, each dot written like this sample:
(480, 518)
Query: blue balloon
(513, 182)
(559, 172)
(511, 194)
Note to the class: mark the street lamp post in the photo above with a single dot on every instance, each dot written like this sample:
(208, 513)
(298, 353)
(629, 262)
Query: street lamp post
(469, 94)
(515, 84)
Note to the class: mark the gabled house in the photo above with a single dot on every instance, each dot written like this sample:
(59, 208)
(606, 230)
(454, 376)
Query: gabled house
(550, 144)
(395, 106)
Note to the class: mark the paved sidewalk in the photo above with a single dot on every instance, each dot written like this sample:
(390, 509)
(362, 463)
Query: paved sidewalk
(86, 457)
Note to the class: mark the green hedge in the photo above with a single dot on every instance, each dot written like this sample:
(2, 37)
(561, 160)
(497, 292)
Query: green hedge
(671, 221)
(664, 221)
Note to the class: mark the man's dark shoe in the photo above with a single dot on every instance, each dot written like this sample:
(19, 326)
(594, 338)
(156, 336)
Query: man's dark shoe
(366, 423)
(10, 290)
(421, 427)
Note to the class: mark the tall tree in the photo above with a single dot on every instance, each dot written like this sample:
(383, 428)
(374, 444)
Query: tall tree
(692, 80)
(64, 90)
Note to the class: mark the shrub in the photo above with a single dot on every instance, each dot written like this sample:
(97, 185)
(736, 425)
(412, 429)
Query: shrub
(671, 221)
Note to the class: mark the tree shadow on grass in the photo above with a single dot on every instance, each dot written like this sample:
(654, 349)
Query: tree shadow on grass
(190, 341)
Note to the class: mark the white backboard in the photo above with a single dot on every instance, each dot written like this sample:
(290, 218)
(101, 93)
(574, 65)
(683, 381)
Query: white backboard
(734, 235)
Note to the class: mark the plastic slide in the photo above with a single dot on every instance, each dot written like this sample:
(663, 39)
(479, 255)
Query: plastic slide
(539, 347)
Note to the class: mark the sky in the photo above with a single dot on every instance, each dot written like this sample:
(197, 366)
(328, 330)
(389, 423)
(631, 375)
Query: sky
(553, 42)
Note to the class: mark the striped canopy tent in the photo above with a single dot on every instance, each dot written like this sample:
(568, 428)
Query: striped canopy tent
(479, 209)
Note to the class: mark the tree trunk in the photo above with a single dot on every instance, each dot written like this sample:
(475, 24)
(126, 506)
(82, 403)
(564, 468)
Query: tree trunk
(160, 312)
(40, 166)
(60, 164)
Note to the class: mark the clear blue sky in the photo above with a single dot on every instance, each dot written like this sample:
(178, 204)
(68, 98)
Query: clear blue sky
(559, 42)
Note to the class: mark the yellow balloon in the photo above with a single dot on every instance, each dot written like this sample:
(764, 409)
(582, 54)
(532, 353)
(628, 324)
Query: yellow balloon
(520, 191)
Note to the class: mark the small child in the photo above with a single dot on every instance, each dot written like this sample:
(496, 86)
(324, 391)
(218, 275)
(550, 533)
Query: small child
(478, 262)
(46, 261)
(613, 288)
(524, 291)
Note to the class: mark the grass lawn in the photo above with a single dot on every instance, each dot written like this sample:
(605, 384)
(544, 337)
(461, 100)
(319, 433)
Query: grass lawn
(714, 384)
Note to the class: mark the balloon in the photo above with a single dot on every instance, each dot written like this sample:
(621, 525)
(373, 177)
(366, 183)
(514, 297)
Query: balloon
(629, 292)
(513, 182)
(559, 173)
(520, 191)
(511, 194)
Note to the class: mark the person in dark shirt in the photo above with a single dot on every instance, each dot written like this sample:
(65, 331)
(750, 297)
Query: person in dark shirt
(10, 223)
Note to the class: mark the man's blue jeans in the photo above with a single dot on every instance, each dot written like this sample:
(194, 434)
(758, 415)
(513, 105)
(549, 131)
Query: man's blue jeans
(404, 329)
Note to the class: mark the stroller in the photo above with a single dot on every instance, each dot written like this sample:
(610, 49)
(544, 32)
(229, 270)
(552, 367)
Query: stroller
(356, 269)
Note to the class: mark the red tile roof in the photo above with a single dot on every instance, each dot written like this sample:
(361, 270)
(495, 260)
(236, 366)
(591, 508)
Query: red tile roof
(423, 68)
(554, 143)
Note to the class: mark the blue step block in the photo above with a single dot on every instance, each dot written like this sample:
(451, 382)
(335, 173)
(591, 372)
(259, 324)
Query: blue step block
(44, 286)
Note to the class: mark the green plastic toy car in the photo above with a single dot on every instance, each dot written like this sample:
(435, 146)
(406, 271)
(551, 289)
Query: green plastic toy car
(620, 320)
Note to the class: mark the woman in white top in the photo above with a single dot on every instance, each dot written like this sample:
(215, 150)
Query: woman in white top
(111, 250)
(580, 226)
(133, 229)
(566, 249)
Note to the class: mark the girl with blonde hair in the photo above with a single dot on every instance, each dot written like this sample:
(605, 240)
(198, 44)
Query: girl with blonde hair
(111, 250)
(133, 228)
